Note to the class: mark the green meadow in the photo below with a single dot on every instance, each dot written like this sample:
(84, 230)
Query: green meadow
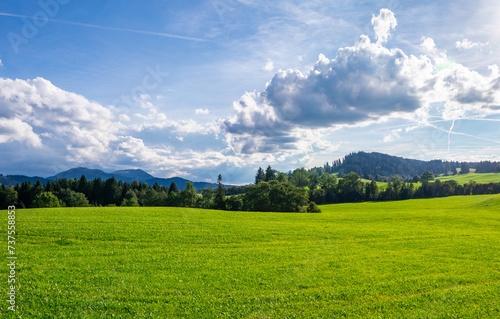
(480, 178)
(432, 258)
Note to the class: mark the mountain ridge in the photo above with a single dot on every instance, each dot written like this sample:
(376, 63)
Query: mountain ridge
(126, 176)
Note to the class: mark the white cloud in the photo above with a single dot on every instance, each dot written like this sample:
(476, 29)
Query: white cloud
(428, 44)
(383, 24)
(466, 44)
(269, 66)
(363, 83)
(466, 92)
(83, 127)
(124, 118)
(392, 136)
(17, 130)
(167, 162)
(156, 120)
(76, 131)
(202, 111)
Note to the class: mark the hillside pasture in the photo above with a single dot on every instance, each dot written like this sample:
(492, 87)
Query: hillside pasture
(480, 178)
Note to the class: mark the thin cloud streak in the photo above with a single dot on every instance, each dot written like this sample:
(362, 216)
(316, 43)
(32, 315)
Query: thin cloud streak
(449, 133)
(462, 134)
(160, 34)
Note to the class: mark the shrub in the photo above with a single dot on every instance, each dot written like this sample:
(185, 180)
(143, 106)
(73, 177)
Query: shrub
(313, 208)
(45, 200)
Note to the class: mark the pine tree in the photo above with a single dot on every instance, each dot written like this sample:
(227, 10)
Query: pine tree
(83, 186)
(220, 195)
(464, 168)
(260, 177)
(270, 174)
(173, 188)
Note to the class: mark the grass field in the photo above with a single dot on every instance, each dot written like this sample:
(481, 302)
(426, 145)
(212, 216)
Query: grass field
(433, 258)
(478, 178)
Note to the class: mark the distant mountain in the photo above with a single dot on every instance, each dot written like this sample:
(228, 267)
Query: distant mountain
(12, 180)
(79, 171)
(135, 174)
(123, 175)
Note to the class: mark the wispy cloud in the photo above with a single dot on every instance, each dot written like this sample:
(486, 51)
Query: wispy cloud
(95, 26)
(466, 44)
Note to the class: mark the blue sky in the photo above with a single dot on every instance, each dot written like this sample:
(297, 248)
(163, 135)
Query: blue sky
(198, 88)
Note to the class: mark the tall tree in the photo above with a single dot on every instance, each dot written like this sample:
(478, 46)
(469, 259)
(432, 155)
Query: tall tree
(313, 180)
(220, 195)
(351, 188)
(270, 174)
(427, 176)
(299, 177)
(83, 186)
(464, 168)
(188, 195)
(282, 177)
(112, 192)
(371, 191)
(97, 195)
(173, 188)
(25, 194)
(260, 177)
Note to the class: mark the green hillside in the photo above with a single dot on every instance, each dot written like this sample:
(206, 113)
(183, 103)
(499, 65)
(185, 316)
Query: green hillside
(478, 178)
(409, 259)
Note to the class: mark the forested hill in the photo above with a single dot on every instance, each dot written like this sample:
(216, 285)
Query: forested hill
(365, 164)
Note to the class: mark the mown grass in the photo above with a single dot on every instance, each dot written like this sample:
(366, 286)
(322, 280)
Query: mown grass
(433, 258)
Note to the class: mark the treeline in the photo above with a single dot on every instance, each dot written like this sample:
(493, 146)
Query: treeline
(81, 193)
(327, 189)
(274, 196)
(351, 188)
(297, 191)
(488, 167)
(380, 166)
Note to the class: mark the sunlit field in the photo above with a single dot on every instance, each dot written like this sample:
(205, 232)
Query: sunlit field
(433, 258)
(481, 178)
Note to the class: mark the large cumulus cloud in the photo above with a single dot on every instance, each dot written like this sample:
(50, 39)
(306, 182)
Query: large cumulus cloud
(35, 110)
(363, 83)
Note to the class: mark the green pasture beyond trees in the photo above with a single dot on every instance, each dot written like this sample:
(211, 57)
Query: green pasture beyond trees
(480, 178)
(432, 258)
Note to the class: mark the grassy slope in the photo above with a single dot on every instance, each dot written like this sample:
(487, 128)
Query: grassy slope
(419, 259)
(479, 178)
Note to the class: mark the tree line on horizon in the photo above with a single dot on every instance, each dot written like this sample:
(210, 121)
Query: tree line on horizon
(379, 167)
(298, 191)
